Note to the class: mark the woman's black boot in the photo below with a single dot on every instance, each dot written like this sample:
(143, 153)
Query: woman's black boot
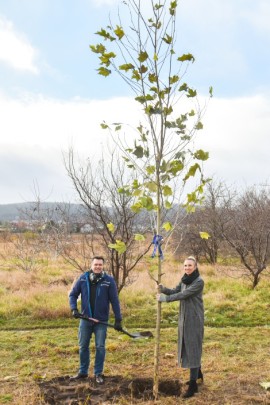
(192, 389)
(200, 376)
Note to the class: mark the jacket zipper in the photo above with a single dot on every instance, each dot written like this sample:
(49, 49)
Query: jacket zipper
(88, 291)
(97, 294)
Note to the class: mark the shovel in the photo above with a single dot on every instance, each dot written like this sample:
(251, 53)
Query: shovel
(136, 335)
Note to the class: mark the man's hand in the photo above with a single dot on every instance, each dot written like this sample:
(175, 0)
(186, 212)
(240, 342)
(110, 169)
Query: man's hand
(75, 313)
(118, 325)
(162, 298)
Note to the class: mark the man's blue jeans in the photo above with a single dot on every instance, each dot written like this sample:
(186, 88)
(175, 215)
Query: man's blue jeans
(86, 329)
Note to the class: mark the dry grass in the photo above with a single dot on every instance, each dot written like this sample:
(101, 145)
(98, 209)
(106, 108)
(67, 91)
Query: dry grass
(232, 368)
(235, 359)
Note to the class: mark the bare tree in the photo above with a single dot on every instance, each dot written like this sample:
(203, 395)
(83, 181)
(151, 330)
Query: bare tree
(248, 230)
(24, 251)
(97, 188)
(211, 218)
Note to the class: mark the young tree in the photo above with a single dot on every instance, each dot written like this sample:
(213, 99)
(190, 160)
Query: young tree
(160, 150)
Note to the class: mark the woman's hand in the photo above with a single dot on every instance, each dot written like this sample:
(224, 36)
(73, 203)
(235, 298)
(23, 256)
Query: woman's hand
(161, 297)
(159, 287)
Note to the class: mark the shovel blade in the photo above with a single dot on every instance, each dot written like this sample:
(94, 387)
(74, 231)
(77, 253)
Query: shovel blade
(140, 335)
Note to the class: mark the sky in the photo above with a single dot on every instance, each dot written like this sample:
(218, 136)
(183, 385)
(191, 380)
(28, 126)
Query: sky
(51, 97)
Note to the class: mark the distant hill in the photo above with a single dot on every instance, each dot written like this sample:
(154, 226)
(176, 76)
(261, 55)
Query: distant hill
(15, 212)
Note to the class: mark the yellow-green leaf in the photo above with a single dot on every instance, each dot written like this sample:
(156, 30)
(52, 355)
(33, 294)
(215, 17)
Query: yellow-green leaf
(191, 93)
(136, 75)
(167, 191)
(99, 48)
(150, 169)
(204, 235)
(137, 193)
(186, 57)
(104, 125)
(135, 184)
(138, 152)
(104, 72)
(173, 79)
(152, 78)
(142, 56)
(183, 87)
(105, 58)
(105, 34)
(192, 171)
(167, 39)
(201, 154)
(139, 237)
(110, 226)
(151, 185)
(143, 69)
(168, 205)
(199, 125)
(136, 207)
(119, 32)
(126, 67)
(167, 226)
(173, 7)
(119, 246)
(190, 208)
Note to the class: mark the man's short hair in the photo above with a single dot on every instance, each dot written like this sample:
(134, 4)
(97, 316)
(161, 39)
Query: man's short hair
(98, 258)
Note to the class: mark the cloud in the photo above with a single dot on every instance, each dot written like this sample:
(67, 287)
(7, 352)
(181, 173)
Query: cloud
(25, 169)
(258, 17)
(237, 136)
(15, 49)
(56, 123)
(37, 130)
(101, 3)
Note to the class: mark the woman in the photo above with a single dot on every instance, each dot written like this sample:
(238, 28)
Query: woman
(191, 320)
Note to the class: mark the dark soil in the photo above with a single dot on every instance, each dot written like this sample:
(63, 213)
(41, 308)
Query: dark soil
(63, 391)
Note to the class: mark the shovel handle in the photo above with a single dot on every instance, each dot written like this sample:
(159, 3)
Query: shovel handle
(87, 318)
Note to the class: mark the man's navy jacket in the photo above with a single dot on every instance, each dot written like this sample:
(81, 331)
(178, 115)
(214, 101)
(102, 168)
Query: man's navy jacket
(106, 293)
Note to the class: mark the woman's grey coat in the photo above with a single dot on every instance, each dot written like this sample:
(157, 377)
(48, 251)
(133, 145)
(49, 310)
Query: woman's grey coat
(190, 321)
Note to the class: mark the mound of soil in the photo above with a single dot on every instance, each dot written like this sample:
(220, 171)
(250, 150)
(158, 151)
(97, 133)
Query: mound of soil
(62, 390)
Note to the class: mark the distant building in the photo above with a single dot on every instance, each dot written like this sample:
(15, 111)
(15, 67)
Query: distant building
(86, 228)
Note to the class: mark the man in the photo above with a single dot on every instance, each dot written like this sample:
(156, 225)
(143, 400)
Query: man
(98, 290)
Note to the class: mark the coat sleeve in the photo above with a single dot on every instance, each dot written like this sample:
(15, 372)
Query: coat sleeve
(192, 290)
(74, 294)
(170, 291)
(114, 300)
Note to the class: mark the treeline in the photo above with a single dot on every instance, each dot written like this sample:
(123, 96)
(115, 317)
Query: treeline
(237, 222)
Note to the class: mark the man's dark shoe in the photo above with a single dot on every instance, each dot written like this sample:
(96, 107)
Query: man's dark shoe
(79, 376)
(99, 379)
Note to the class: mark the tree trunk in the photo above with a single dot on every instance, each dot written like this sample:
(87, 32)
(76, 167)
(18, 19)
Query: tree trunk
(157, 342)
(158, 319)
(255, 280)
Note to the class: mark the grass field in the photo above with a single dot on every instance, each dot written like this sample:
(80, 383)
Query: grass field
(38, 337)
